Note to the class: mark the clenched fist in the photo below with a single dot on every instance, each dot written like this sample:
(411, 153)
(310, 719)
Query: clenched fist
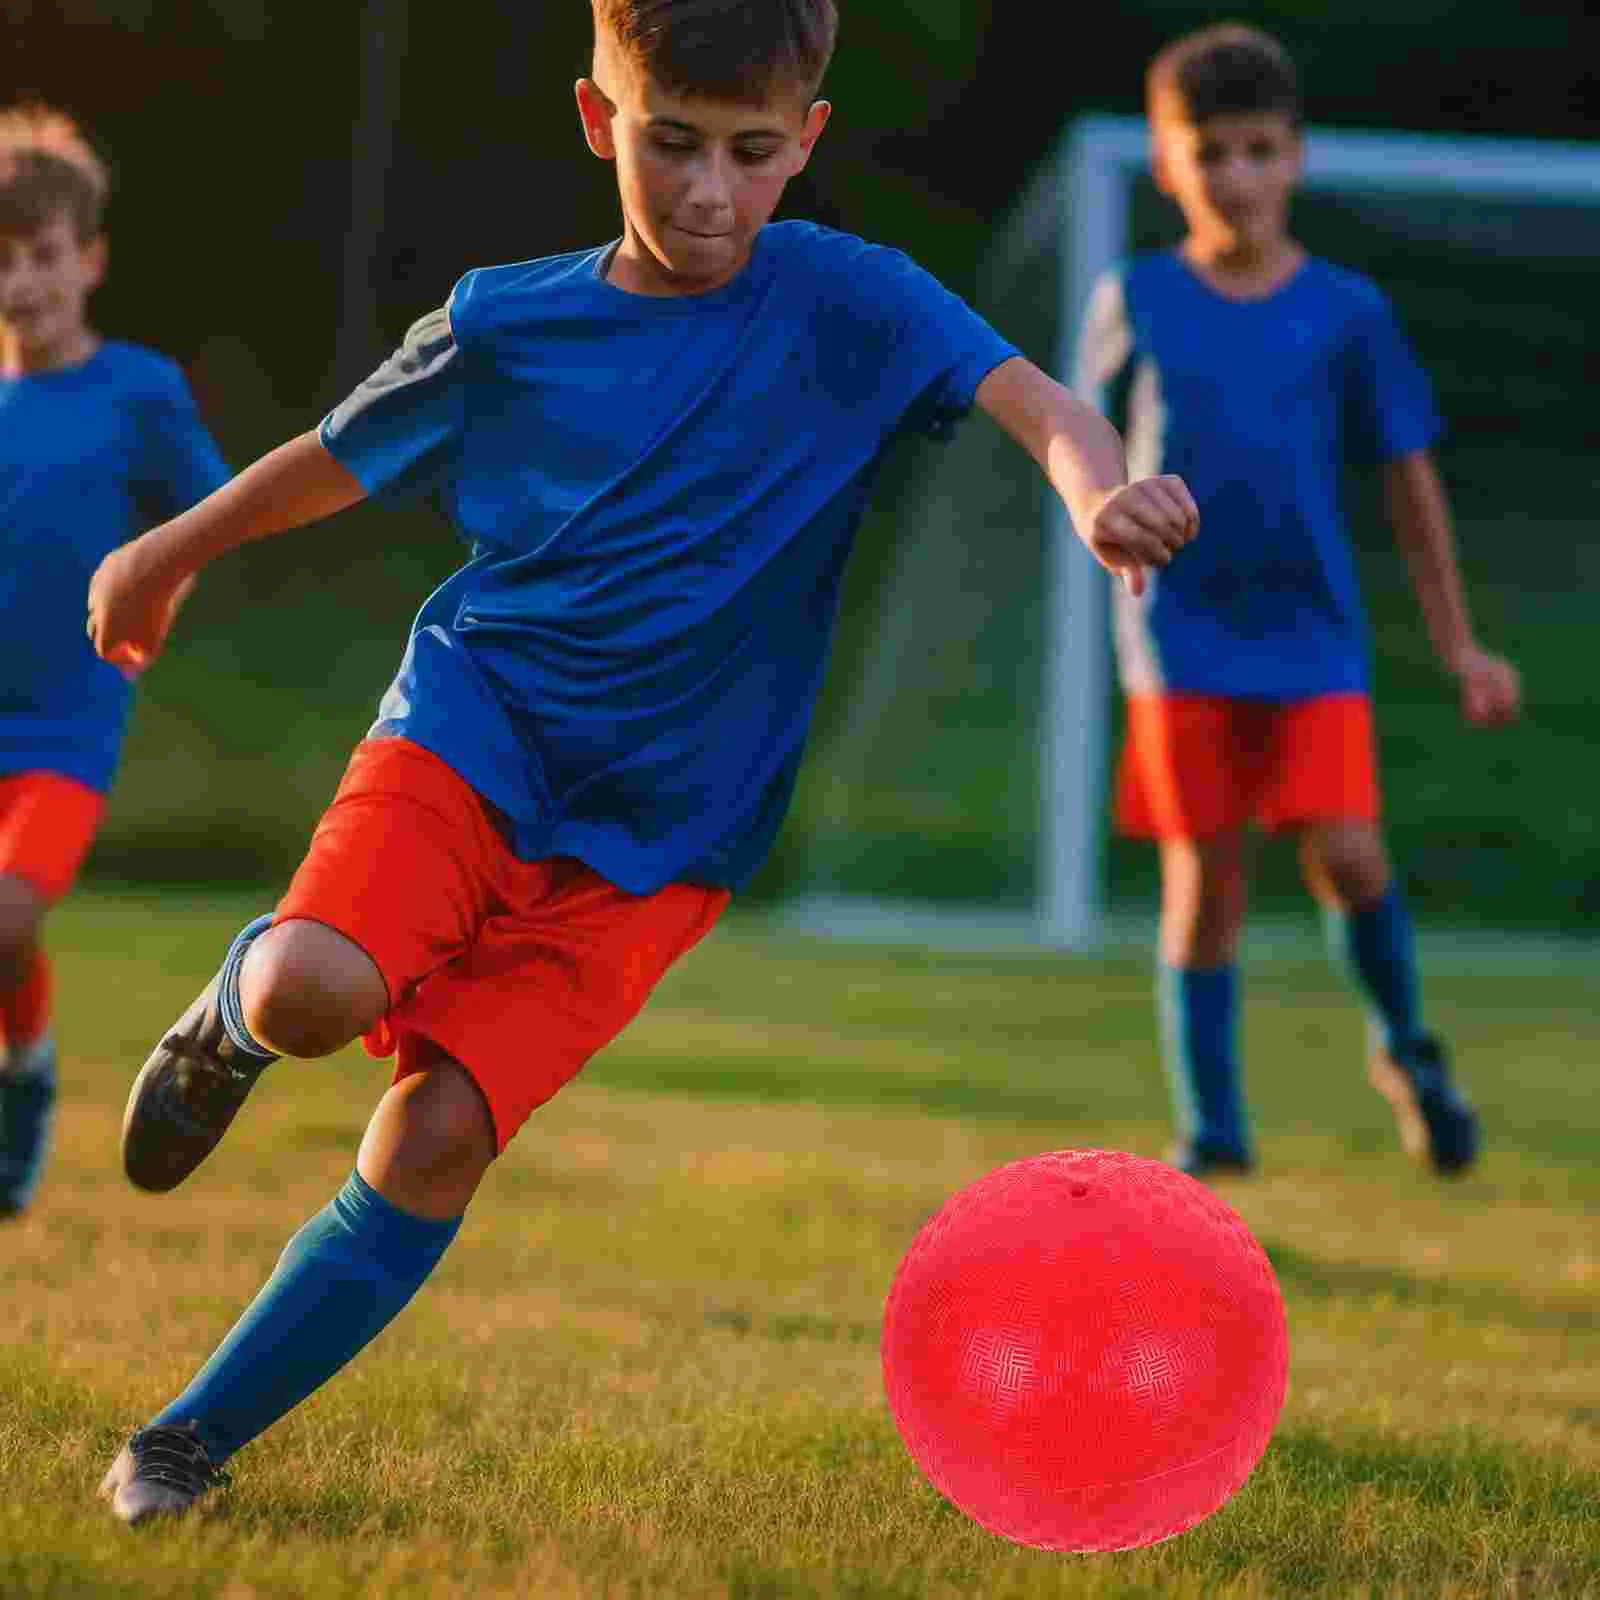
(1491, 690)
(132, 601)
(1141, 526)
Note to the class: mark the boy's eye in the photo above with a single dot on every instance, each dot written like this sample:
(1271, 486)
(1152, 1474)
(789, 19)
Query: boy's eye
(674, 147)
(753, 155)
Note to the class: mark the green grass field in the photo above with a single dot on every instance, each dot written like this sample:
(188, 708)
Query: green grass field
(650, 1364)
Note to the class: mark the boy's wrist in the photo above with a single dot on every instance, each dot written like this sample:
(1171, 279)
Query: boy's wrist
(167, 555)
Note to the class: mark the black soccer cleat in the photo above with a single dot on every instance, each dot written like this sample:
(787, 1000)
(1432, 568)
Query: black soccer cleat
(185, 1096)
(1436, 1121)
(160, 1471)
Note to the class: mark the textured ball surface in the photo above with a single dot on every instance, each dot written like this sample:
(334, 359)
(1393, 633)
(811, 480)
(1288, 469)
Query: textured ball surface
(1085, 1351)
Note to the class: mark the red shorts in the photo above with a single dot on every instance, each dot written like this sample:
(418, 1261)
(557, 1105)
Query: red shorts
(47, 823)
(518, 970)
(1197, 765)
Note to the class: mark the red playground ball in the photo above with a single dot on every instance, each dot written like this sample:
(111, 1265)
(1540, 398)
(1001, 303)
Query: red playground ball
(1085, 1351)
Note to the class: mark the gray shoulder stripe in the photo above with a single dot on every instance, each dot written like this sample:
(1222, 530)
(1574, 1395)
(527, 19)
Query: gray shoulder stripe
(428, 349)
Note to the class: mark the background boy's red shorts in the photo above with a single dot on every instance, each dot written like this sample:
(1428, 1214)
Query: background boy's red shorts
(1197, 765)
(47, 823)
(518, 970)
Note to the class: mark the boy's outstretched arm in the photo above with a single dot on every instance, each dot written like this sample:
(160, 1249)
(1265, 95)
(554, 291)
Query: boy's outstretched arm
(137, 589)
(1128, 527)
(1491, 692)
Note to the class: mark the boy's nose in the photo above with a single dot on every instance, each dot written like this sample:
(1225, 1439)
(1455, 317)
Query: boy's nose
(711, 190)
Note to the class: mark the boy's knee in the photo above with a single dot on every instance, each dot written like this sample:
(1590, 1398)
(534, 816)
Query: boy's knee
(430, 1142)
(1345, 862)
(1205, 889)
(20, 911)
(308, 991)
(14, 957)
(446, 1120)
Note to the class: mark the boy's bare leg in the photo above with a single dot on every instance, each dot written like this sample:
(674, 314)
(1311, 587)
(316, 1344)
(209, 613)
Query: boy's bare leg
(1345, 864)
(342, 1279)
(27, 1057)
(22, 909)
(429, 1143)
(1205, 892)
(1346, 867)
(307, 988)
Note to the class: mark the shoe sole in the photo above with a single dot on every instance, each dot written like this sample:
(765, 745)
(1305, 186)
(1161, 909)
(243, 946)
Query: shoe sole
(162, 1505)
(162, 1143)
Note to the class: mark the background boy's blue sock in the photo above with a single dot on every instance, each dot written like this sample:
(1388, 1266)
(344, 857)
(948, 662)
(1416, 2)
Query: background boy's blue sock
(1198, 1008)
(1375, 946)
(27, 1109)
(340, 1281)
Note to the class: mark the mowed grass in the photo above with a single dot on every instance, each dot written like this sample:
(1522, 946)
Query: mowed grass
(649, 1366)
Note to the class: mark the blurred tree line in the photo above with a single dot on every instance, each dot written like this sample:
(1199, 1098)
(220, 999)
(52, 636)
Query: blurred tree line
(296, 183)
(249, 137)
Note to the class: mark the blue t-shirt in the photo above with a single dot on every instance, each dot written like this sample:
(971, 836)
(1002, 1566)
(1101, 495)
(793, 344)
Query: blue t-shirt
(90, 456)
(1260, 406)
(660, 494)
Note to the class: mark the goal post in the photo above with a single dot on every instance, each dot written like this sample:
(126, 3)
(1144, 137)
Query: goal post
(977, 599)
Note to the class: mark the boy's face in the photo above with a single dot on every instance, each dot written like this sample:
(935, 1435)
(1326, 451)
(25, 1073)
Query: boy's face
(1231, 176)
(46, 278)
(698, 178)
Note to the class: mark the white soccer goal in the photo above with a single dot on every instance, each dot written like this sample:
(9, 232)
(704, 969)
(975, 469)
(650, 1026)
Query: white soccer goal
(958, 797)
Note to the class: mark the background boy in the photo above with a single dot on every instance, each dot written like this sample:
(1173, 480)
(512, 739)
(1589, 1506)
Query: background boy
(98, 439)
(1260, 374)
(659, 451)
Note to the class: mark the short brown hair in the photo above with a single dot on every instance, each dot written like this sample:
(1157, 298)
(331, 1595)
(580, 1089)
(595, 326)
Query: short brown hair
(1226, 70)
(736, 50)
(47, 168)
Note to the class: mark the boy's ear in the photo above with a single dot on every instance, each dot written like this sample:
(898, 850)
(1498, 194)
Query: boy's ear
(595, 111)
(1158, 162)
(97, 256)
(816, 121)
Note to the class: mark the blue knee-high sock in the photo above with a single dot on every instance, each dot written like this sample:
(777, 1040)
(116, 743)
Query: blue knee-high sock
(27, 1110)
(1198, 1008)
(340, 1281)
(1375, 947)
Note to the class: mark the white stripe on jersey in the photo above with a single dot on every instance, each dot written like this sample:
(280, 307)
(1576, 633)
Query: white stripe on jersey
(427, 349)
(1138, 659)
(1103, 351)
(1105, 343)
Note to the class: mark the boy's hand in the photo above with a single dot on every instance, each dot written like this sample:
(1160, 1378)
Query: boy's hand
(1142, 525)
(1491, 689)
(132, 602)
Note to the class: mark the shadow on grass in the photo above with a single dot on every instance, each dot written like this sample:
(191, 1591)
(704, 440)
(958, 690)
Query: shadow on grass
(1306, 1277)
(775, 1081)
(1447, 1472)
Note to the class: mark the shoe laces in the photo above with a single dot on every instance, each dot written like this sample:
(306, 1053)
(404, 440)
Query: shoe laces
(172, 1454)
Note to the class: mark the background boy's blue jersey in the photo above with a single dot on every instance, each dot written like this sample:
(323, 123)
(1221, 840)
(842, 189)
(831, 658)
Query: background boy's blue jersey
(90, 456)
(660, 494)
(1261, 407)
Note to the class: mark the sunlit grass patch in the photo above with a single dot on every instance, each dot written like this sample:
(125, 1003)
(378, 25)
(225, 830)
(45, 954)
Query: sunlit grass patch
(649, 1366)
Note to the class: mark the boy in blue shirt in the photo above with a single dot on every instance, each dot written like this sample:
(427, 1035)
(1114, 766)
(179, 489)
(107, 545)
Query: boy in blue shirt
(98, 440)
(1261, 374)
(659, 452)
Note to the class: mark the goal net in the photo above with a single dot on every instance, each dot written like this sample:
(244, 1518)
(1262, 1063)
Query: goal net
(956, 788)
